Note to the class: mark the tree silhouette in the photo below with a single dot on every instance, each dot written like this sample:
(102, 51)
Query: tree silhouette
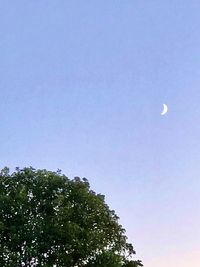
(48, 220)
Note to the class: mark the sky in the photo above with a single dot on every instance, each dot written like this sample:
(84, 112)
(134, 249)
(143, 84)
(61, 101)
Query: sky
(82, 84)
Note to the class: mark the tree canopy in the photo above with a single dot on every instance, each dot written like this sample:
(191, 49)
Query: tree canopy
(46, 219)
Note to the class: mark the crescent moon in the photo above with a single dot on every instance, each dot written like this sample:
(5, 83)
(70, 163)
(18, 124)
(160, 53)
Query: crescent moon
(165, 109)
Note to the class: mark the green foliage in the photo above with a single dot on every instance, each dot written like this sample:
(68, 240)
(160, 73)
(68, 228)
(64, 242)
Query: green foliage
(48, 220)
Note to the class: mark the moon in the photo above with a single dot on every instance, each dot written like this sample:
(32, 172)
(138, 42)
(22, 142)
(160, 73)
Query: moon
(165, 109)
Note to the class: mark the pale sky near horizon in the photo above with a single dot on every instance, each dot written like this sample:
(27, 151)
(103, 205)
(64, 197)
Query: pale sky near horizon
(82, 85)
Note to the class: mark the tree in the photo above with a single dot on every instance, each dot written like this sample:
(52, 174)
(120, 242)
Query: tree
(49, 220)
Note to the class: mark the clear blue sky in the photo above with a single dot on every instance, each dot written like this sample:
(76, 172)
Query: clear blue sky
(82, 85)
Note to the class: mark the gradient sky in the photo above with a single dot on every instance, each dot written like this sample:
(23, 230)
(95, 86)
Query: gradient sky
(82, 85)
